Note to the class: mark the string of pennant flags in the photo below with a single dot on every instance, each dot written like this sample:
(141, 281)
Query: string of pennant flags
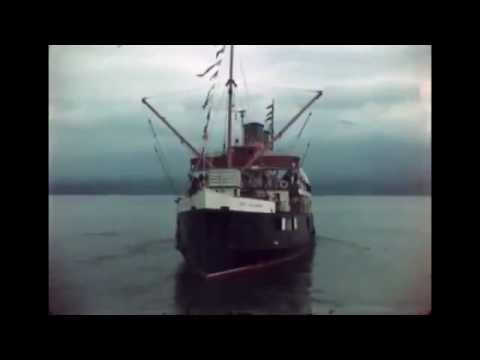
(218, 63)
(209, 98)
(269, 118)
(270, 113)
(221, 51)
(214, 69)
(209, 94)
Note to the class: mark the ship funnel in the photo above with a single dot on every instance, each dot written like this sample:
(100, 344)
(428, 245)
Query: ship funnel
(253, 134)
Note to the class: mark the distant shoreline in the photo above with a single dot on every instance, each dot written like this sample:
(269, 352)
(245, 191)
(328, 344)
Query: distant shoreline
(152, 187)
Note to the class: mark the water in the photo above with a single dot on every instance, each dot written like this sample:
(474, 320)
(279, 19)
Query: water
(116, 255)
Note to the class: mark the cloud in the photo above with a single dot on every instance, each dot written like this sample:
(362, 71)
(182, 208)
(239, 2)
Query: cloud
(346, 122)
(98, 125)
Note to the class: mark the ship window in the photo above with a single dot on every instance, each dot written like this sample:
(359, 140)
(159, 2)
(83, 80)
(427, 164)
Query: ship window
(278, 223)
(288, 224)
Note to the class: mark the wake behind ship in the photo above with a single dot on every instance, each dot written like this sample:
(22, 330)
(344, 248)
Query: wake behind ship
(247, 206)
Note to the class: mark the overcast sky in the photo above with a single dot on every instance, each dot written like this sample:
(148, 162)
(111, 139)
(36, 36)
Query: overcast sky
(373, 121)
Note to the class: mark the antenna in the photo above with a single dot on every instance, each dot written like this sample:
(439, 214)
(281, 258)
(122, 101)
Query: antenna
(242, 115)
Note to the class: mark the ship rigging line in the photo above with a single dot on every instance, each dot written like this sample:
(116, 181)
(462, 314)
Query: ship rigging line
(244, 80)
(218, 105)
(293, 146)
(215, 105)
(305, 154)
(158, 151)
(211, 110)
(161, 157)
(225, 123)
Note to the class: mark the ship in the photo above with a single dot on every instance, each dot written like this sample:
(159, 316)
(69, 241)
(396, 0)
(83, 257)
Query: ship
(249, 206)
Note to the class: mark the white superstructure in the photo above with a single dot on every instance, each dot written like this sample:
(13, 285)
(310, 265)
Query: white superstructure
(210, 199)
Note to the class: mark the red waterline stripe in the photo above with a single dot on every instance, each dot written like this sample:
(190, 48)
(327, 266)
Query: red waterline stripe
(253, 267)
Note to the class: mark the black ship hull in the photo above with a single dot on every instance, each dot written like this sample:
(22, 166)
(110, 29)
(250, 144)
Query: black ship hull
(216, 241)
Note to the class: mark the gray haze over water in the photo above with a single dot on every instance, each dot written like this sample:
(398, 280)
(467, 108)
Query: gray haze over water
(115, 255)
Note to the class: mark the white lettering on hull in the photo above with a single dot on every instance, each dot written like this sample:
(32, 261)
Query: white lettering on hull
(208, 199)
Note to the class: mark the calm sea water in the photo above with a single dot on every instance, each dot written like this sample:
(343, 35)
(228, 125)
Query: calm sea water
(116, 255)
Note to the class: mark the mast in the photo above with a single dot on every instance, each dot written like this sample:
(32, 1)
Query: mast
(230, 84)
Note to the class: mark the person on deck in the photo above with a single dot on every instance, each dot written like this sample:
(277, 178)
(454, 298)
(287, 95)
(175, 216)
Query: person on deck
(201, 180)
(195, 185)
